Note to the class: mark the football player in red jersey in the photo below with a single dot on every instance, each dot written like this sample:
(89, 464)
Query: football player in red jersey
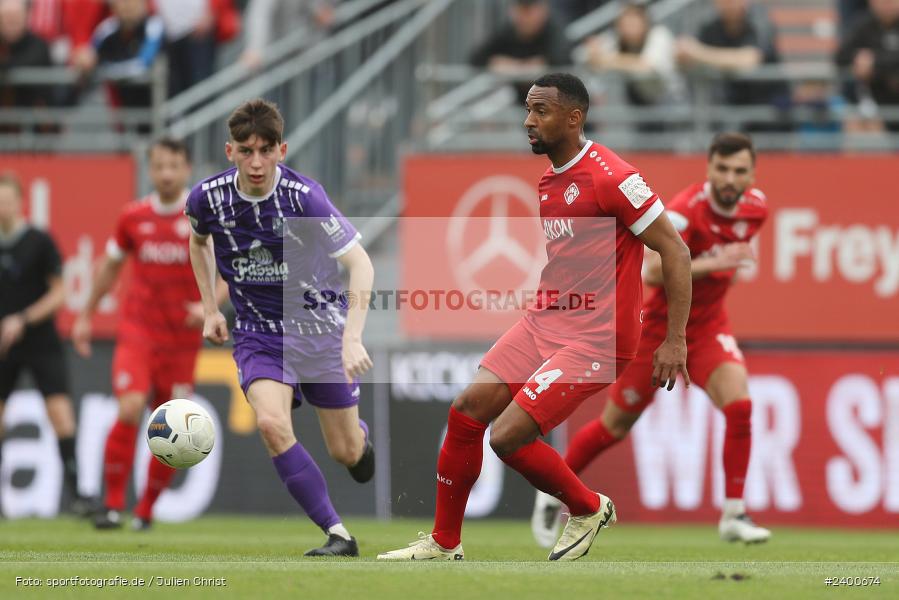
(597, 214)
(717, 219)
(160, 326)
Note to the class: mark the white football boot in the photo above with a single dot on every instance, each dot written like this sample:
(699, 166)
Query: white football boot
(740, 528)
(579, 532)
(545, 519)
(425, 548)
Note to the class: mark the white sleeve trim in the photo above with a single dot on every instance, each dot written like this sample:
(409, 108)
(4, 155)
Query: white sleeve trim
(349, 246)
(648, 217)
(113, 250)
(679, 221)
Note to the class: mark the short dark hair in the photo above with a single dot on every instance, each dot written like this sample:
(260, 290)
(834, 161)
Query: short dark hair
(8, 178)
(172, 145)
(731, 142)
(256, 117)
(571, 89)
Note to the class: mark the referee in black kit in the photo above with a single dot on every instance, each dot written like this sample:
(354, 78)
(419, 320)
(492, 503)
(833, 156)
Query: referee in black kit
(31, 291)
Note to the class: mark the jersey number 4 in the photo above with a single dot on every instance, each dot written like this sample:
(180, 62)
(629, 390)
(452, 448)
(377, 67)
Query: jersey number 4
(546, 378)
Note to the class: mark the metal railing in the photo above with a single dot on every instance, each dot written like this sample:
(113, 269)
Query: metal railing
(368, 115)
(481, 113)
(76, 117)
(286, 47)
(300, 85)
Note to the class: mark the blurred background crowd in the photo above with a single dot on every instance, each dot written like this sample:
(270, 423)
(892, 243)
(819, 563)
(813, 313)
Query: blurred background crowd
(362, 80)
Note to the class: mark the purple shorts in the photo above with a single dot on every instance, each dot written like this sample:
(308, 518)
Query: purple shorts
(313, 368)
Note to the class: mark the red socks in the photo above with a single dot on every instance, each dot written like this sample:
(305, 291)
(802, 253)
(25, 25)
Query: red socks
(544, 468)
(737, 444)
(458, 468)
(158, 478)
(589, 442)
(117, 460)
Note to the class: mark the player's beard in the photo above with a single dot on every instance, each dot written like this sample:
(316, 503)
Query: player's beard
(728, 196)
(539, 147)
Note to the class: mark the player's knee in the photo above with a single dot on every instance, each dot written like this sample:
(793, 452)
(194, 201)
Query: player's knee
(273, 429)
(341, 455)
(499, 442)
(619, 428)
(347, 454)
(504, 440)
(465, 403)
(480, 403)
(620, 425)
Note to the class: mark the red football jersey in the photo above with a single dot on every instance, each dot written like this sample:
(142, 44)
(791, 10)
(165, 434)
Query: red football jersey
(705, 228)
(590, 291)
(162, 282)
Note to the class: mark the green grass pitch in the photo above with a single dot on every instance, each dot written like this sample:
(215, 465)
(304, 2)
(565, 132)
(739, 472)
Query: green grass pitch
(262, 558)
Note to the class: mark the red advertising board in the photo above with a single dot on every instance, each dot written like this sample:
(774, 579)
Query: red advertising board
(77, 198)
(825, 446)
(828, 257)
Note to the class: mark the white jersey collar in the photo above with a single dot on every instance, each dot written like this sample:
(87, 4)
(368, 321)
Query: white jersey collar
(257, 199)
(707, 190)
(574, 160)
(168, 209)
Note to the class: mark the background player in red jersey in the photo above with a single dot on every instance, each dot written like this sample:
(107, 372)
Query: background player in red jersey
(159, 332)
(717, 219)
(597, 213)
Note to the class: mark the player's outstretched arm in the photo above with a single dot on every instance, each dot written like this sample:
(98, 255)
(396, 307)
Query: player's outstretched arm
(731, 256)
(202, 259)
(105, 279)
(671, 357)
(362, 275)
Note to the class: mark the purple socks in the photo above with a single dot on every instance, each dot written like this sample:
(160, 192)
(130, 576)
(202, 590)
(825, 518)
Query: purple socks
(305, 482)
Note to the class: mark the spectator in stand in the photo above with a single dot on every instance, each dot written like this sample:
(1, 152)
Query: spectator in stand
(530, 41)
(20, 47)
(67, 25)
(269, 20)
(734, 42)
(126, 45)
(644, 53)
(871, 51)
(194, 29)
(190, 41)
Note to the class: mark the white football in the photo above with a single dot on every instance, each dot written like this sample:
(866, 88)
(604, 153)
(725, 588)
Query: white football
(180, 433)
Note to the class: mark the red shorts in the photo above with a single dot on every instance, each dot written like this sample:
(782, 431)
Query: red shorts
(548, 380)
(706, 351)
(168, 372)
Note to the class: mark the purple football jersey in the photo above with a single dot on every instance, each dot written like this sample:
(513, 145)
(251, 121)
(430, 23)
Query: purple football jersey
(278, 252)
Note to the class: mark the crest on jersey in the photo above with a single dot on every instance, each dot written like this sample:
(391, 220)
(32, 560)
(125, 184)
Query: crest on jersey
(260, 254)
(572, 193)
(741, 228)
(278, 226)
